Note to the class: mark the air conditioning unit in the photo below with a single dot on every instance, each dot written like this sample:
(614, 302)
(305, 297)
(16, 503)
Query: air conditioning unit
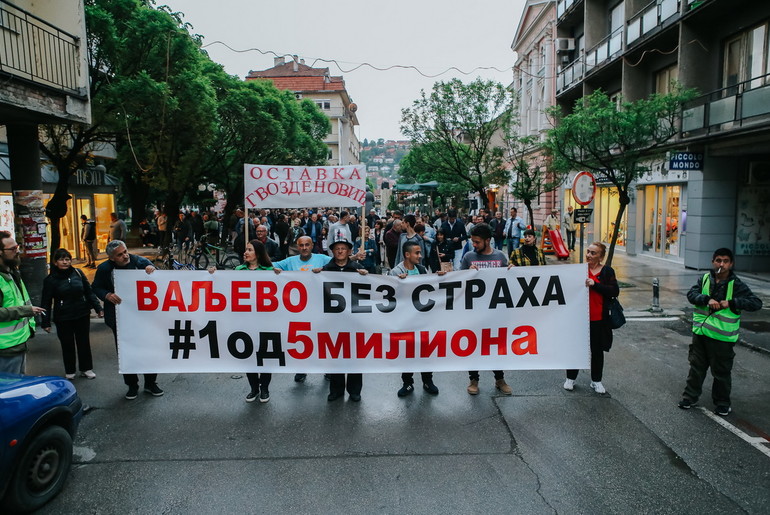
(298, 96)
(759, 174)
(565, 44)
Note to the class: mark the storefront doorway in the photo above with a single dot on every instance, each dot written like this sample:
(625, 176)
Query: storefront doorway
(607, 205)
(664, 220)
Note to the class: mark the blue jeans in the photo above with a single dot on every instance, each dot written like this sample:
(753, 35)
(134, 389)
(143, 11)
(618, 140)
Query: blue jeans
(13, 364)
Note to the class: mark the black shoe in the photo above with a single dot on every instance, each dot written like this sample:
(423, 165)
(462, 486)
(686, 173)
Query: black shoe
(686, 404)
(334, 396)
(264, 395)
(153, 389)
(252, 396)
(133, 391)
(723, 411)
(406, 390)
(355, 397)
(300, 378)
(430, 388)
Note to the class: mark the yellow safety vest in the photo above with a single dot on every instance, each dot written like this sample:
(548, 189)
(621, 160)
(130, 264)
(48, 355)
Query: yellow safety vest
(14, 332)
(720, 325)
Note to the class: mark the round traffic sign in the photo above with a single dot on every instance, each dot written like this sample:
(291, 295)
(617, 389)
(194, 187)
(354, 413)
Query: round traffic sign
(584, 188)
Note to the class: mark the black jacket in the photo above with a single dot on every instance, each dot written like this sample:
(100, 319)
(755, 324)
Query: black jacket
(455, 231)
(71, 295)
(103, 283)
(743, 298)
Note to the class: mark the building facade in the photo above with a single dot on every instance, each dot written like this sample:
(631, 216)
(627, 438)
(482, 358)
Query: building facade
(713, 188)
(534, 83)
(329, 94)
(44, 72)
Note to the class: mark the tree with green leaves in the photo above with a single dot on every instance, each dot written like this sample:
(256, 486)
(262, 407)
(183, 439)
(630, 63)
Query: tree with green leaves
(455, 125)
(419, 166)
(616, 142)
(257, 123)
(148, 97)
(530, 174)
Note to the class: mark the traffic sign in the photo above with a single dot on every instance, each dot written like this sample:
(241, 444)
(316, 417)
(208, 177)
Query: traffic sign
(583, 215)
(584, 188)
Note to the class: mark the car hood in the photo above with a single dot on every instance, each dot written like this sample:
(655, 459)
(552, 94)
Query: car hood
(13, 386)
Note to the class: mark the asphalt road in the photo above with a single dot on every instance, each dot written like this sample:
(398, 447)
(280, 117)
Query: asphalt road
(201, 449)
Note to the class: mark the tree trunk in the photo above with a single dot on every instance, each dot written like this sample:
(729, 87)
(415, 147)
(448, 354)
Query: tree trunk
(56, 209)
(623, 201)
(528, 205)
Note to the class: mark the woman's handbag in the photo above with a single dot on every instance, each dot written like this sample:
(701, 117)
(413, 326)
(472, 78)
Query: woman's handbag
(617, 318)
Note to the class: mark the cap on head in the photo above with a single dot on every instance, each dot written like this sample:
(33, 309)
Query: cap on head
(340, 239)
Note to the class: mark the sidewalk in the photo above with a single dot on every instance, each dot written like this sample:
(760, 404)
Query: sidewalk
(636, 273)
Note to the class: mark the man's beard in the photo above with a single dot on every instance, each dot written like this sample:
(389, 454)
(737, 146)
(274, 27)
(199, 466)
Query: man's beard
(12, 263)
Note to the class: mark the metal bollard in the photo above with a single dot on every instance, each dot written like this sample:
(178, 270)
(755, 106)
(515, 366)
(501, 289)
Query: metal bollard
(656, 295)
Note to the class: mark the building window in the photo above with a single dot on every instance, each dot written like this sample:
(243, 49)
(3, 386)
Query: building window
(326, 105)
(666, 78)
(746, 59)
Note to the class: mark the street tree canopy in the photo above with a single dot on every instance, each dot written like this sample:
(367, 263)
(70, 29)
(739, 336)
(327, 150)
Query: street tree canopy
(257, 123)
(454, 128)
(530, 174)
(614, 142)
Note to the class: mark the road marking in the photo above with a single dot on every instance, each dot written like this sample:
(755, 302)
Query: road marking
(755, 441)
(651, 319)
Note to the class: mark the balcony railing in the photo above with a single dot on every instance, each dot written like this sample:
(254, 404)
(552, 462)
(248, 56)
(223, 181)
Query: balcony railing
(652, 16)
(606, 50)
(33, 49)
(570, 74)
(747, 103)
(562, 6)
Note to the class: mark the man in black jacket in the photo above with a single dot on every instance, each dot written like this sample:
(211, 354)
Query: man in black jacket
(719, 297)
(341, 249)
(118, 258)
(454, 231)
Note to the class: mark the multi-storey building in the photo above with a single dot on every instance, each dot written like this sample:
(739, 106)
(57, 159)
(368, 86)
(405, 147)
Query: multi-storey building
(329, 94)
(534, 83)
(44, 75)
(714, 189)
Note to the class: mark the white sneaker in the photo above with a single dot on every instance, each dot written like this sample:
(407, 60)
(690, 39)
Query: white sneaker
(69, 376)
(598, 387)
(89, 374)
(569, 384)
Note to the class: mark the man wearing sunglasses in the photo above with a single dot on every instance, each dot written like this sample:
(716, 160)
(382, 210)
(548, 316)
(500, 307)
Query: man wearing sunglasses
(17, 324)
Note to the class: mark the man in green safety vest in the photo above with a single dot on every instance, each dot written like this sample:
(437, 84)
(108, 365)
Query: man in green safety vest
(17, 324)
(719, 297)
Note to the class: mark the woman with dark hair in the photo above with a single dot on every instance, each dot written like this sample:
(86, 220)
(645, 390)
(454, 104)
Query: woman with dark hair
(255, 258)
(602, 286)
(446, 251)
(70, 292)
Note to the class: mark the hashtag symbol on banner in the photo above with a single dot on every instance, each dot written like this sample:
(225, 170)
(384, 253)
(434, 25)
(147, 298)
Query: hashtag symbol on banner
(182, 339)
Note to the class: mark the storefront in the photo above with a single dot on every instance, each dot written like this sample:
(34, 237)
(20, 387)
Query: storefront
(606, 206)
(661, 203)
(93, 194)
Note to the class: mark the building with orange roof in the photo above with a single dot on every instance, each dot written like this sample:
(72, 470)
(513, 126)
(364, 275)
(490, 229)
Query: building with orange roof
(329, 94)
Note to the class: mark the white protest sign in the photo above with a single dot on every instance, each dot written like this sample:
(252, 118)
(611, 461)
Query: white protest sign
(300, 322)
(271, 186)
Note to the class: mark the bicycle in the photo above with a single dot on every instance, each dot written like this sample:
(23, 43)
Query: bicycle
(165, 261)
(202, 257)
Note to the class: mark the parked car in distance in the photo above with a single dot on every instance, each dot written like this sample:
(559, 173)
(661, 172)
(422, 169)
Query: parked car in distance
(39, 417)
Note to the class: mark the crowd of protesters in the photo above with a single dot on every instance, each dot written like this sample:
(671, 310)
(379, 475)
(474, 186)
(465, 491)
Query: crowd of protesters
(326, 240)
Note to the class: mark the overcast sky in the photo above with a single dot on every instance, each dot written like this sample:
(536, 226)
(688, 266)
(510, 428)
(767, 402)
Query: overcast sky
(432, 35)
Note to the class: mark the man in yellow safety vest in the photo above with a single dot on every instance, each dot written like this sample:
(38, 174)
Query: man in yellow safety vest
(17, 324)
(719, 297)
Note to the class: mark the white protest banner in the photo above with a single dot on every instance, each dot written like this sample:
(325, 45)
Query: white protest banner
(300, 322)
(303, 186)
